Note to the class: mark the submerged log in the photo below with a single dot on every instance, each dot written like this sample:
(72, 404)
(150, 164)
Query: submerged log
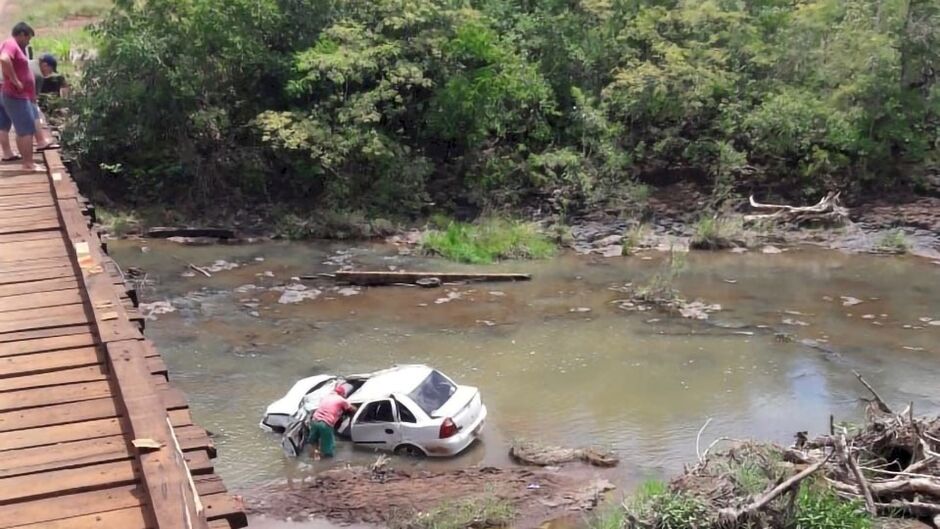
(367, 278)
(166, 233)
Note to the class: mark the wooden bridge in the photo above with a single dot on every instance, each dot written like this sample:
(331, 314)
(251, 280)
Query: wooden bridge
(91, 433)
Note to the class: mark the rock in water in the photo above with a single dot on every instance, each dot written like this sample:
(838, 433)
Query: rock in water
(531, 453)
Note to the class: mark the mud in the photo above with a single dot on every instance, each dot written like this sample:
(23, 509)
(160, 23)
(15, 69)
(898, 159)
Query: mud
(356, 495)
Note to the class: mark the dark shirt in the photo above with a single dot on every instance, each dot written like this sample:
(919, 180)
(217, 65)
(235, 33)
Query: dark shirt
(52, 84)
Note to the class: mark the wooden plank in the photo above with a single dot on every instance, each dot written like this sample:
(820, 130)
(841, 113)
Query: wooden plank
(34, 213)
(41, 362)
(69, 330)
(209, 484)
(50, 435)
(181, 417)
(73, 454)
(36, 275)
(224, 506)
(34, 398)
(130, 518)
(32, 287)
(66, 481)
(89, 410)
(198, 462)
(18, 249)
(40, 263)
(43, 313)
(54, 378)
(70, 506)
(42, 345)
(164, 471)
(40, 300)
(32, 236)
(27, 227)
(67, 315)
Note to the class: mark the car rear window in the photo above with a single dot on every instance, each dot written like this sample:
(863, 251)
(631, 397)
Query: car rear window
(433, 392)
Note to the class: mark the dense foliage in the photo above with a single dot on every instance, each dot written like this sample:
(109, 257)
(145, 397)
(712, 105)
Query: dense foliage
(388, 105)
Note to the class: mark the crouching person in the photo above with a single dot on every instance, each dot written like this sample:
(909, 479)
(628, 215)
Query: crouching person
(331, 409)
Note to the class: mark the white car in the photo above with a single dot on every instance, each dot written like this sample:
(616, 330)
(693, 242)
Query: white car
(413, 410)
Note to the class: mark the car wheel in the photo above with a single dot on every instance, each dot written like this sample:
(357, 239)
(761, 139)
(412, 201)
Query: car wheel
(409, 450)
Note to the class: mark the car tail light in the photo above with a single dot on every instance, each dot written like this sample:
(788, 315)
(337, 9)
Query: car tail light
(448, 429)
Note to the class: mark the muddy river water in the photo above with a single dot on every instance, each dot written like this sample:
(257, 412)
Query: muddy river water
(555, 359)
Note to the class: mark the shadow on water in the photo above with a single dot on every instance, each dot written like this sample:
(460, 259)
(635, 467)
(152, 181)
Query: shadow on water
(549, 369)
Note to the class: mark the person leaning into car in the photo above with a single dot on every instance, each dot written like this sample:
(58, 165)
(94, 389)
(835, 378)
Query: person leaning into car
(320, 437)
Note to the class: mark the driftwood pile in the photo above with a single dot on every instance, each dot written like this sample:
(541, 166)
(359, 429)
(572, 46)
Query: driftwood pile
(889, 467)
(828, 211)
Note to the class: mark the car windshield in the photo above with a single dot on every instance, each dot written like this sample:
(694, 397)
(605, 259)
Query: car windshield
(433, 392)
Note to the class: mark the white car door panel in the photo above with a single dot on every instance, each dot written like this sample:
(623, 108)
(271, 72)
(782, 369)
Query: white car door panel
(376, 425)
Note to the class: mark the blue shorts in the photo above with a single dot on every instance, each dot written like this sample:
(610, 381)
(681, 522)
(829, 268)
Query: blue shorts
(20, 114)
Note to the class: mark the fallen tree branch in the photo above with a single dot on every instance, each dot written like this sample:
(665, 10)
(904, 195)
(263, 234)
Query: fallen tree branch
(200, 269)
(842, 447)
(882, 405)
(730, 516)
(698, 440)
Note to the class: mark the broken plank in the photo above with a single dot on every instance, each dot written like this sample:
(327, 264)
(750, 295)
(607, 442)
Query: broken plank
(378, 278)
(209, 484)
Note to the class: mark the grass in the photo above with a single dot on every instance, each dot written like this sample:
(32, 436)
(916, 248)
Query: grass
(118, 223)
(50, 13)
(716, 233)
(894, 242)
(661, 287)
(478, 513)
(634, 237)
(820, 508)
(488, 241)
(656, 505)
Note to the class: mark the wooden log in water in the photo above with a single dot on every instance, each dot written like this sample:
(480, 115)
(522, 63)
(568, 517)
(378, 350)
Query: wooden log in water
(166, 233)
(379, 278)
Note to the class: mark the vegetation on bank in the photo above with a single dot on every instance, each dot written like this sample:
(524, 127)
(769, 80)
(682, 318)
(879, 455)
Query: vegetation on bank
(489, 240)
(392, 106)
(482, 512)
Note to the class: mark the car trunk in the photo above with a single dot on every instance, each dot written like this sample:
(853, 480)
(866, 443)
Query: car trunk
(463, 407)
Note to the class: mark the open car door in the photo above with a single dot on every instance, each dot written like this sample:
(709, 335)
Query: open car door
(376, 425)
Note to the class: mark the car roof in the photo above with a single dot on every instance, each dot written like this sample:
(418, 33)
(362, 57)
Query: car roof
(399, 379)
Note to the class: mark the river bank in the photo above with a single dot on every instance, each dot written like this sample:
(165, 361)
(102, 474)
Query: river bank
(671, 219)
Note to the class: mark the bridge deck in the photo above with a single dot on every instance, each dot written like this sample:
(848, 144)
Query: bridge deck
(91, 433)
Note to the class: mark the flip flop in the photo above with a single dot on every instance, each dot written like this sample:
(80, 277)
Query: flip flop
(51, 146)
(13, 158)
(35, 169)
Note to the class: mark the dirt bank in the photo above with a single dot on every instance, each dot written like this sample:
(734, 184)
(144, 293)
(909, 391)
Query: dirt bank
(359, 495)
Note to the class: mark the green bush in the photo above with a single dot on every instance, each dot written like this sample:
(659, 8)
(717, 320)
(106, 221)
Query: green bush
(820, 508)
(716, 233)
(488, 241)
(894, 241)
(390, 105)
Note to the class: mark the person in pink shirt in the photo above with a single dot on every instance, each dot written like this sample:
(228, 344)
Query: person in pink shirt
(17, 95)
(332, 407)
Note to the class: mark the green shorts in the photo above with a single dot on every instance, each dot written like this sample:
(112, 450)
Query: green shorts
(322, 433)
